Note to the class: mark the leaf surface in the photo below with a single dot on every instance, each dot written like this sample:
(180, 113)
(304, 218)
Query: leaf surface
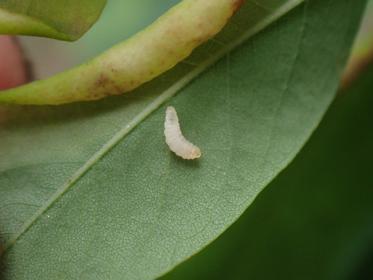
(314, 221)
(80, 203)
(66, 20)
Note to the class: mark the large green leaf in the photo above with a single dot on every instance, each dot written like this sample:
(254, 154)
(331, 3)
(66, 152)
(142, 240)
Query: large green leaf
(82, 198)
(315, 221)
(66, 20)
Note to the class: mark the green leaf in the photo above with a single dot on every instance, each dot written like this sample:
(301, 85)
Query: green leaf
(85, 197)
(315, 220)
(65, 20)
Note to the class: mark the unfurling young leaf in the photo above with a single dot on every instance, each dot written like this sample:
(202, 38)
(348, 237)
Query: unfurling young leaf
(126, 66)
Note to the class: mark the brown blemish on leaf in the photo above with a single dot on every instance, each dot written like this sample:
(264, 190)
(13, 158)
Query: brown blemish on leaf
(102, 81)
(237, 4)
(354, 69)
(114, 70)
(105, 86)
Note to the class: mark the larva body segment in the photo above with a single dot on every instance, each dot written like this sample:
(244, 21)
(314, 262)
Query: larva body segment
(175, 139)
(149, 53)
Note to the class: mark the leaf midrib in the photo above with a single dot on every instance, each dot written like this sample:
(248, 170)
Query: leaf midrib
(155, 104)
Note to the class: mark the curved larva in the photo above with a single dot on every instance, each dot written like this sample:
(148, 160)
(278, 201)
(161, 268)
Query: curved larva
(175, 139)
(149, 53)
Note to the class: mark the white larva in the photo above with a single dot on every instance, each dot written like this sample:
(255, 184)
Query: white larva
(175, 139)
